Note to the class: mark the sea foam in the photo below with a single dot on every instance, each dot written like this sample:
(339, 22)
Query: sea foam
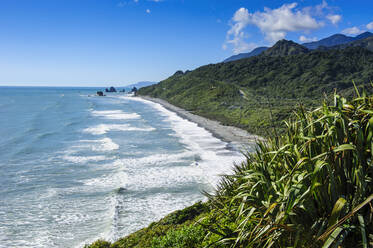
(105, 144)
(200, 142)
(104, 128)
(115, 115)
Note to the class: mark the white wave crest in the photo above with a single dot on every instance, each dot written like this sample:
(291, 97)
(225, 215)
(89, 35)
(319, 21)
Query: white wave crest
(84, 159)
(102, 145)
(104, 128)
(115, 115)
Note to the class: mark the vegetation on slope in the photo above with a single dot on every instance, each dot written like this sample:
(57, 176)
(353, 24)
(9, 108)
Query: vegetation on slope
(310, 187)
(285, 48)
(260, 92)
(366, 43)
(177, 229)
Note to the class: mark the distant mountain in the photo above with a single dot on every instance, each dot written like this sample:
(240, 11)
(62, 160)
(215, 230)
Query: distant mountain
(285, 48)
(323, 44)
(141, 84)
(334, 40)
(363, 36)
(330, 41)
(366, 43)
(254, 52)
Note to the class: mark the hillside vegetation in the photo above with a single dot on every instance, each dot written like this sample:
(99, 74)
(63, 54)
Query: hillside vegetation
(258, 93)
(310, 187)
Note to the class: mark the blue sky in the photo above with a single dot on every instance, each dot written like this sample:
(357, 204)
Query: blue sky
(118, 42)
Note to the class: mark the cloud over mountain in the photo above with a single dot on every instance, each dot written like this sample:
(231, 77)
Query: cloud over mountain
(273, 23)
(352, 31)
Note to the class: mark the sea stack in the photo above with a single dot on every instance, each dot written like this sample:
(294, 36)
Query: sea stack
(111, 89)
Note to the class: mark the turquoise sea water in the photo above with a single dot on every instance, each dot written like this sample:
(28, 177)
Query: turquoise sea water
(75, 168)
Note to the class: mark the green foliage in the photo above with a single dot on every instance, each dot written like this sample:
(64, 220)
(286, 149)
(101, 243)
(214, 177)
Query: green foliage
(174, 225)
(316, 179)
(243, 93)
(181, 216)
(99, 244)
(189, 236)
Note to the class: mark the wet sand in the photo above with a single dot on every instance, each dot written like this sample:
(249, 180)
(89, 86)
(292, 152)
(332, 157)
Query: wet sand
(228, 134)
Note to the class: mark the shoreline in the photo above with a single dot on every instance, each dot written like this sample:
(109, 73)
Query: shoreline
(229, 134)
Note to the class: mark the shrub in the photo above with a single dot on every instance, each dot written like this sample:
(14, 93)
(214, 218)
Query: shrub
(309, 188)
(99, 244)
(189, 236)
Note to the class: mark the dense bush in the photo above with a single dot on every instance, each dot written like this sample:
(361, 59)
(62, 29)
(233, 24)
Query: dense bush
(309, 188)
(189, 236)
(235, 92)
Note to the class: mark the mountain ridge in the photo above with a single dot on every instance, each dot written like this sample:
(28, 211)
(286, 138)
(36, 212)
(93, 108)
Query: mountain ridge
(285, 48)
(331, 41)
(254, 52)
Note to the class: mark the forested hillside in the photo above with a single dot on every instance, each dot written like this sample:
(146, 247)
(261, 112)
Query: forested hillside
(258, 93)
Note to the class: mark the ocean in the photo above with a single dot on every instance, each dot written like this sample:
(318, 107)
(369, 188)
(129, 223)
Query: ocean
(75, 167)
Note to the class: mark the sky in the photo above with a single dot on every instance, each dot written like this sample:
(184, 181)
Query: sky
(120, 42)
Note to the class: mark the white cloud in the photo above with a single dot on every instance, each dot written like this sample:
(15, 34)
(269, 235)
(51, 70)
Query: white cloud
(303, 38)
(334, 18)
(236, 35)
(352, 31)
(317, 10)
(274, 23)
(147, 11)
(370, 26)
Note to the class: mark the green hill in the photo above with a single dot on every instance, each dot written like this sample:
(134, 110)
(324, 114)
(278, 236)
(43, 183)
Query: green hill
(285, 48)
(258, 93)
(365, 43)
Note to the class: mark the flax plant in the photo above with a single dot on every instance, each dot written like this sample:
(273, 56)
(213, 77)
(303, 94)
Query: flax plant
(311, 187)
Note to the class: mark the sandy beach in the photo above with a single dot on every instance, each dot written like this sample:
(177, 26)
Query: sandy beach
(228, 134)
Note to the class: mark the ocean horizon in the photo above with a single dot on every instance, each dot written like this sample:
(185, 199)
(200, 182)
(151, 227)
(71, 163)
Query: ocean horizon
(75, 167)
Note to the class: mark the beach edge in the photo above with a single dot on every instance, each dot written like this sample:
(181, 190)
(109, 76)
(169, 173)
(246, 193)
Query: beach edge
(229, 134)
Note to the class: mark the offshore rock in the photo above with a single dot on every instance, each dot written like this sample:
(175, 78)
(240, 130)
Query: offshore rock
(112, 89)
